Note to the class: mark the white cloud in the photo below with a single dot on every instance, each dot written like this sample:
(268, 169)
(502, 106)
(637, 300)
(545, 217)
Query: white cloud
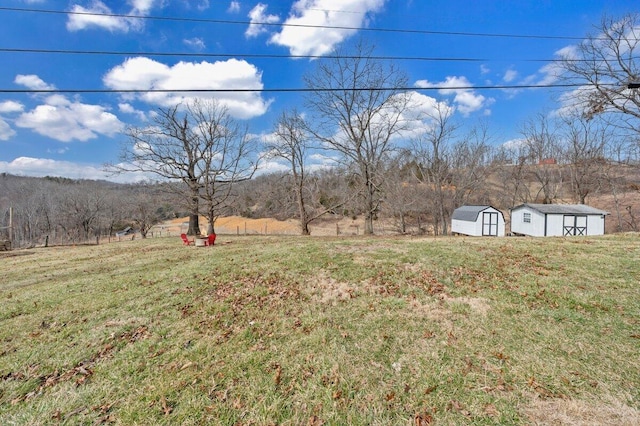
(95, 16)
(11, 106)
(258, 17)
(195, 43)
(65, 120)
(484, 69)
(510, 75)
(310, 33)
(6, 132)
(39, 167)
(550, 73)
(83, 18)
(421, 112)
(32, 82)
(129, 109)
(466, 100)
(203, 5)
(142, 7)
(144, 73)
(272, 166)
(234, 7)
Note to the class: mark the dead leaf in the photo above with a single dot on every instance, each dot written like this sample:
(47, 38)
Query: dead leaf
(278, 376)
(430, 389)
(315, 421)
(455, 405)
(187, 365)
(422, 419)
(491, 410)
(166, 409)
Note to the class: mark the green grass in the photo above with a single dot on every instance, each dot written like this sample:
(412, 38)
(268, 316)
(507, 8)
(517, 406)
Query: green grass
(333, 331)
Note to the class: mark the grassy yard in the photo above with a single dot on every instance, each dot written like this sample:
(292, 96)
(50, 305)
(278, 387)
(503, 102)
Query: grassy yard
(323, 331)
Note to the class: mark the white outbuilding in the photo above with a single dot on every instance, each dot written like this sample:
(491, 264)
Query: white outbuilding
(478, 221)
(557, 220)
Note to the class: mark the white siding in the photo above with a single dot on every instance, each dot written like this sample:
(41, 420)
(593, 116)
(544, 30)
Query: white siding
(555, 223)
(534, 228)
(464, 227)
(595, 225)
(475, 228)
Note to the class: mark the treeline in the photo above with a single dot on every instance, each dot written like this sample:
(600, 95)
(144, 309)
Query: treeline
(65, 211)
(53, 210)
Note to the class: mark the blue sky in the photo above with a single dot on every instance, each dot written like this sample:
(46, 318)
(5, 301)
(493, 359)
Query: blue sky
(73, 135)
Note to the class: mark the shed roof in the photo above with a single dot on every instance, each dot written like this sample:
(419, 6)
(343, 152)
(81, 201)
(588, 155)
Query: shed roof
(468, 213)
(563, 208)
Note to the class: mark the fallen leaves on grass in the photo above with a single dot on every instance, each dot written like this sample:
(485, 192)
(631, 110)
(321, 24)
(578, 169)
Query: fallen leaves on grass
(82, 371)
(422, 419)
(455, 405)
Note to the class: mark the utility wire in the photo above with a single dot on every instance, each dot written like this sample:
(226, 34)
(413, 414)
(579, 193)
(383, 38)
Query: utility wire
(281, 24)
(297, 90)
(273, 56)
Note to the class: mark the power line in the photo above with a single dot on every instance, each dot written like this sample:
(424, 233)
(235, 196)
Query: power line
(281, 24)
(272, 56)
(294, 90)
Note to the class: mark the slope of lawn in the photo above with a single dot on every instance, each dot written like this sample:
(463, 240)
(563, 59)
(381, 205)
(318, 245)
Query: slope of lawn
(323, 331)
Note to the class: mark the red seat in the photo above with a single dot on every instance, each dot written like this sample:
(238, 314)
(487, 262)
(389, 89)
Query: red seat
(211, 239)
(186, 241)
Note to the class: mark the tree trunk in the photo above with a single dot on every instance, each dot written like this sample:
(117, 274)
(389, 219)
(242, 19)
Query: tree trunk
(194, 224)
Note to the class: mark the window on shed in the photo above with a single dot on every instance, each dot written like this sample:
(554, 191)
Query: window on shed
(526, 217)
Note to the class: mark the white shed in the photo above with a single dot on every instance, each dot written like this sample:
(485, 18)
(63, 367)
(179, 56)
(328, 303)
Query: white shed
(557, 220)
(478, 221)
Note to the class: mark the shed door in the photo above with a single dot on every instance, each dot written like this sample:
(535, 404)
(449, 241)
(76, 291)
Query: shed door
(575, 225)
(490, 224)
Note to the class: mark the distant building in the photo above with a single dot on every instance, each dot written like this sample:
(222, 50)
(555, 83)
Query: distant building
(478, 221)
(547, 161)
(557, 220)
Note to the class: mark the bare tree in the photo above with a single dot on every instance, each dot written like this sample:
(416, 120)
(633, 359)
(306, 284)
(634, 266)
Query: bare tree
(402, 194)
(584, 152)
(433, 158)
(358, 103)
(292, 143)
(510, 164)
(606, 62)
(543, 153)
(196, 145)
(228, 156)
(143, 208)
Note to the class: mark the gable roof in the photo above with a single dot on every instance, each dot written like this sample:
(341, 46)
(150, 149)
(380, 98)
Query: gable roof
(562, 208)
(468, 213)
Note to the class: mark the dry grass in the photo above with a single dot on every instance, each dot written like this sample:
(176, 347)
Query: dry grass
(319, 331)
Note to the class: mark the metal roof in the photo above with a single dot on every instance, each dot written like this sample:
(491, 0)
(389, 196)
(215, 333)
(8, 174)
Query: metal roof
(563, 208)
(468, 213)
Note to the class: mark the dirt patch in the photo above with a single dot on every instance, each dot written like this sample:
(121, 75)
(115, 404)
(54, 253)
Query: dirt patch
(326, 290)
(567, 412)
(237, 225)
